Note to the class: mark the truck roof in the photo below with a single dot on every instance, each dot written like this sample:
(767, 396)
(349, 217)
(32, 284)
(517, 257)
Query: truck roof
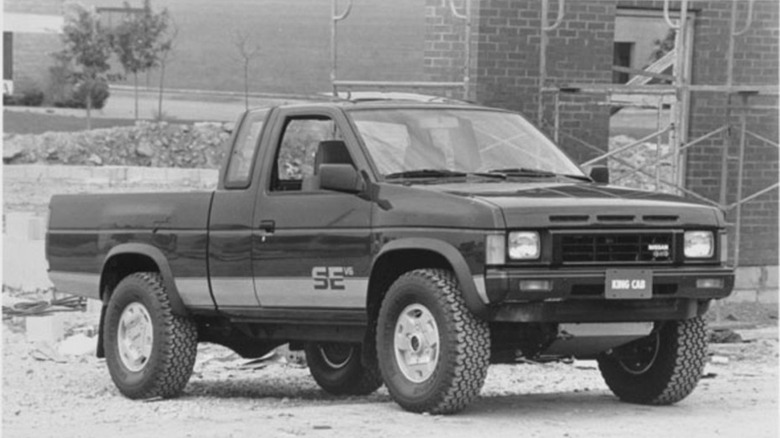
(376, 100)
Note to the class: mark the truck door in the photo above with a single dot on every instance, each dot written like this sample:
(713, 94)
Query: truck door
(312, 246)
(230, 225)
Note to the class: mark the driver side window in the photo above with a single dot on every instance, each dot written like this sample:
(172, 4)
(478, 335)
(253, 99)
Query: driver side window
(298, 148)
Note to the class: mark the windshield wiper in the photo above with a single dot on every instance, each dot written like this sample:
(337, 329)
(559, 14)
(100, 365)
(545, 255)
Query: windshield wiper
(535, 173)
(425, 173)
(523, 171)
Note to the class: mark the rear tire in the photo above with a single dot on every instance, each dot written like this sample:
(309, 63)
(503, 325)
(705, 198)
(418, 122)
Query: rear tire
(150, 352)
(338, 369)
(660, 369)
(433, 353)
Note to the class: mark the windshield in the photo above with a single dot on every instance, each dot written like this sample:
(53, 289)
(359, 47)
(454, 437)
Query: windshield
(402, 141)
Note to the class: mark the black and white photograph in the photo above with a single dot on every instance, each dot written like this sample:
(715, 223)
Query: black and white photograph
(390, 218)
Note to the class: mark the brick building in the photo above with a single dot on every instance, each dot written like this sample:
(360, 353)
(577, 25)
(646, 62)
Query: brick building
(504, 72)
(31, 33)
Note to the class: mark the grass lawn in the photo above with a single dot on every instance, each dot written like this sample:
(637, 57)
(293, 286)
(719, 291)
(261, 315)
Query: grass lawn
(17, 122)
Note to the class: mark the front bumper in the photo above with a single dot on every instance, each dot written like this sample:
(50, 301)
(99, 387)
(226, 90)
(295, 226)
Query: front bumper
(578, 295)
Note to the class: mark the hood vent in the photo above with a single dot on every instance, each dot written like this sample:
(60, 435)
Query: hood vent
(660, 218)
(569, 218)
(615, 218)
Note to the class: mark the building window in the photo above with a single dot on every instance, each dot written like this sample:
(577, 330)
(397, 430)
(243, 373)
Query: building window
(622, 58)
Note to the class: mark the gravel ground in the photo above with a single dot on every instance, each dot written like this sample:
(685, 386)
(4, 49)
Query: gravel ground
(73, 396)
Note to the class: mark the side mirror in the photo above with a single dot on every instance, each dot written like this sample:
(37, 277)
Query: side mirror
(340, 178)
(600, 174)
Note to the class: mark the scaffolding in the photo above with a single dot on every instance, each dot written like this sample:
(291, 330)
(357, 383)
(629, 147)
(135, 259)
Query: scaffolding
(349, 85)
(677, 95)
(636, 93)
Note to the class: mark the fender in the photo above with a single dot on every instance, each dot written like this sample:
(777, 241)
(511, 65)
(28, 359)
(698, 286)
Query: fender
(177, 305)
(462, 272)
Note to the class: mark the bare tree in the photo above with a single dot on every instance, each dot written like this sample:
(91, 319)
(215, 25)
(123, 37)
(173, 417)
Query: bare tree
(165, 55)
(247, 52)
(138, 41)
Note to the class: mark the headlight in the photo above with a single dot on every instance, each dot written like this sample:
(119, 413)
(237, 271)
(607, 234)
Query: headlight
(523, 245)
(699, 244)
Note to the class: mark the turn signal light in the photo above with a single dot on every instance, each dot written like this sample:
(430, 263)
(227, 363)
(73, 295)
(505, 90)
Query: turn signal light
(709, 283)
(535, 285)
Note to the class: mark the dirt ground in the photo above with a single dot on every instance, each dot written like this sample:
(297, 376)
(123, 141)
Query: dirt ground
(46, 393)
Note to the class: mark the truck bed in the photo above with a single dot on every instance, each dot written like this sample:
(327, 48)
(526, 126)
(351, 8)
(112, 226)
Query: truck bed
(85, 230)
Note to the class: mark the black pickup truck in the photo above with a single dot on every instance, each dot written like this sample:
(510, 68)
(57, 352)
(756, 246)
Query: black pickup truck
(400, 243)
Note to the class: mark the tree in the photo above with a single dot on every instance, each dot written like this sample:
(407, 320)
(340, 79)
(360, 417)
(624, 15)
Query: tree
(139, 41)
(166, 48)
(246, 52)
(87, 44)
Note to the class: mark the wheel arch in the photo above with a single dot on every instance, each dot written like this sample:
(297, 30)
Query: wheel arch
(404, 255)
(129, 258)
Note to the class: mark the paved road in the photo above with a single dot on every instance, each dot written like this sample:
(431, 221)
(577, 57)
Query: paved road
(203, 106)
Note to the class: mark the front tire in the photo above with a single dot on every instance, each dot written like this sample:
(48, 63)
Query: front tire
(433, 353)
(660, 369)
(150, 352)
(338, 369)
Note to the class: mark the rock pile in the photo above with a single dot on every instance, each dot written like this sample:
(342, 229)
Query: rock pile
(155, 144)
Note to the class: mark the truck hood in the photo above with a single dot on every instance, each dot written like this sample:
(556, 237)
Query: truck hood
(556, 204)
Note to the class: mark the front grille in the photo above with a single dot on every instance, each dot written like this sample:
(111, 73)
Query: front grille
(616, 248)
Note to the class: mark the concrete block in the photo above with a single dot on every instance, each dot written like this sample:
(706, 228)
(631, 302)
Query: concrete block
(25, 226)
(208, 177)
(768, 295)
(742, 296)
(98, 180)
(79, 173)
(79, 344)
(747, 277)
(771, 275)
(134, 174)
(33, 172)
(17, 225)
(111, 174)
(57, 172)
(94, 307)
(47, 329)
(116, 174)
(24, 264)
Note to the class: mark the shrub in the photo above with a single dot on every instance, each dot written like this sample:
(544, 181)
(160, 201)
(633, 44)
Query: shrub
(78, 97)
(31, 97)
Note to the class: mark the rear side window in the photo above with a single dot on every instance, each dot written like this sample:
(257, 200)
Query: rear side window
(242, 157)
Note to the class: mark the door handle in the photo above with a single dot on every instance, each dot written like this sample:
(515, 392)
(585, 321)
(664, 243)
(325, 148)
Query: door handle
(268, 226)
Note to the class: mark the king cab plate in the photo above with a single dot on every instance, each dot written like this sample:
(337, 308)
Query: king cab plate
(628, 284)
